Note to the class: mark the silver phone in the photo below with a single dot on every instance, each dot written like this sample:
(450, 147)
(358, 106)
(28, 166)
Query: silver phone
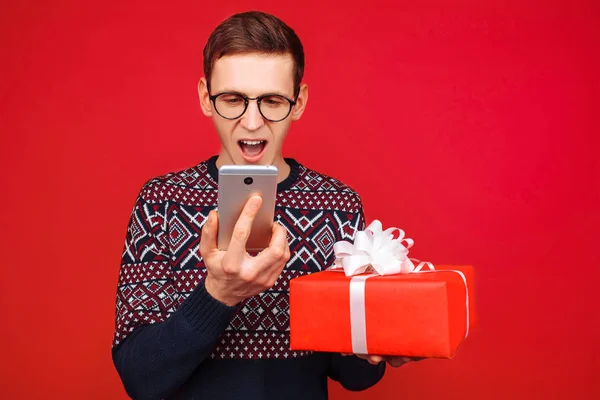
(237, 183)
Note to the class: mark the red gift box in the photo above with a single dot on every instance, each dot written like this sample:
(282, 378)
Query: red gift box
(424, 314)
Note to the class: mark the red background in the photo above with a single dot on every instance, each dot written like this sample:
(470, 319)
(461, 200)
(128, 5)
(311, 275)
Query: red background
(473, 125)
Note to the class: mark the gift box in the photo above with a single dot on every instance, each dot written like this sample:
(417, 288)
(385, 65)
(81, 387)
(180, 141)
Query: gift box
(409, 312)
(419, 315)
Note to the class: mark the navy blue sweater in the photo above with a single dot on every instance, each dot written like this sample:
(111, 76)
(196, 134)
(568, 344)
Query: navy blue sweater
(173, 340)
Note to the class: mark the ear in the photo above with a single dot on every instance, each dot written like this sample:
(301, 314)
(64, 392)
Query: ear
(203, 94)
(301, 101)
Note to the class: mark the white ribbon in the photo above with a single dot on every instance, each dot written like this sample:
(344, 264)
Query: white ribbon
(377, 251)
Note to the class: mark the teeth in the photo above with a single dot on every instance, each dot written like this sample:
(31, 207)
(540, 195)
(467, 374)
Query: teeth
(252, 142)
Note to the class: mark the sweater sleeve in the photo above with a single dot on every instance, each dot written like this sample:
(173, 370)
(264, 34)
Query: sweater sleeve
(160, 339)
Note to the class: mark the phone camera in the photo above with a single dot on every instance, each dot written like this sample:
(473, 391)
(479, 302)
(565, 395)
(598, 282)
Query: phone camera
(248, 180)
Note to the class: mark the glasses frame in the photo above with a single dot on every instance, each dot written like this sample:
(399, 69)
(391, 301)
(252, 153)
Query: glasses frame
(213, 98)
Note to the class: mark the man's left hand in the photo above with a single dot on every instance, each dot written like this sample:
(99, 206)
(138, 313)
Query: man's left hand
(394, 361)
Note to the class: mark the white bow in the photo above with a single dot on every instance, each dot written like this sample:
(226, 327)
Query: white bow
(375, 250)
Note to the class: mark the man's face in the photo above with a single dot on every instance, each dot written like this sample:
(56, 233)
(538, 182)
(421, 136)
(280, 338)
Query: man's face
(252, 139)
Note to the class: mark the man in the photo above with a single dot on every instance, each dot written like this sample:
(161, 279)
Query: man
(194, 322)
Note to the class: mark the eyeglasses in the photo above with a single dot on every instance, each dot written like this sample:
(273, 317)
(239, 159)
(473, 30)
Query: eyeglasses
(232, 105)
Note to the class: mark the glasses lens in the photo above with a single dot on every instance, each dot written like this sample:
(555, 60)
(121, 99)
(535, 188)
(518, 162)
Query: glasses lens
(230, 105)
(275, 108)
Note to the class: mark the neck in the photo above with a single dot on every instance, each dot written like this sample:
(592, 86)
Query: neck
(283, 168)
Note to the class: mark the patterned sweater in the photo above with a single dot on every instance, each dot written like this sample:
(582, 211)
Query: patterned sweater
(173, 340)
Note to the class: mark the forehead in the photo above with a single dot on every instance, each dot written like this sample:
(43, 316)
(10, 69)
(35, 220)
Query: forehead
(254, 74)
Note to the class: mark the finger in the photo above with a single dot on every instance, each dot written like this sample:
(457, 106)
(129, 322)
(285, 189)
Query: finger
(271, 261)
(396, 361)
(371, 359)
(375, 359)
(412, 359)
(241, 231)
(278, 249)
(279, 238)
(287, 253)
(208, 240)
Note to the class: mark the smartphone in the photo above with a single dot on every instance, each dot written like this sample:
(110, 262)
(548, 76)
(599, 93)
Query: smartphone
(237, 183)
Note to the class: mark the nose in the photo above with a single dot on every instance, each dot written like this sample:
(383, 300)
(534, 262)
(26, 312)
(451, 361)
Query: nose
(252, 119)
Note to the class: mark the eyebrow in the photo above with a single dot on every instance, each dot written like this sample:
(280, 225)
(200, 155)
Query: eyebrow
(229, 90)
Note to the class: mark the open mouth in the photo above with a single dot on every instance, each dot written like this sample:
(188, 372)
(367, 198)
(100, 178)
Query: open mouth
(252, 150)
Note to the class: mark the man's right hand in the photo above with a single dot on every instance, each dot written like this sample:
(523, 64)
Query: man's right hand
(234, 275)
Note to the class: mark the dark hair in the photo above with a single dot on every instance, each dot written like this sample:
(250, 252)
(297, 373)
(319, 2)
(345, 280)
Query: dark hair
(254, 32)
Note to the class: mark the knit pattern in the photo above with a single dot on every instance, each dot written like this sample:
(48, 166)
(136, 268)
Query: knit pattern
(161, 263)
